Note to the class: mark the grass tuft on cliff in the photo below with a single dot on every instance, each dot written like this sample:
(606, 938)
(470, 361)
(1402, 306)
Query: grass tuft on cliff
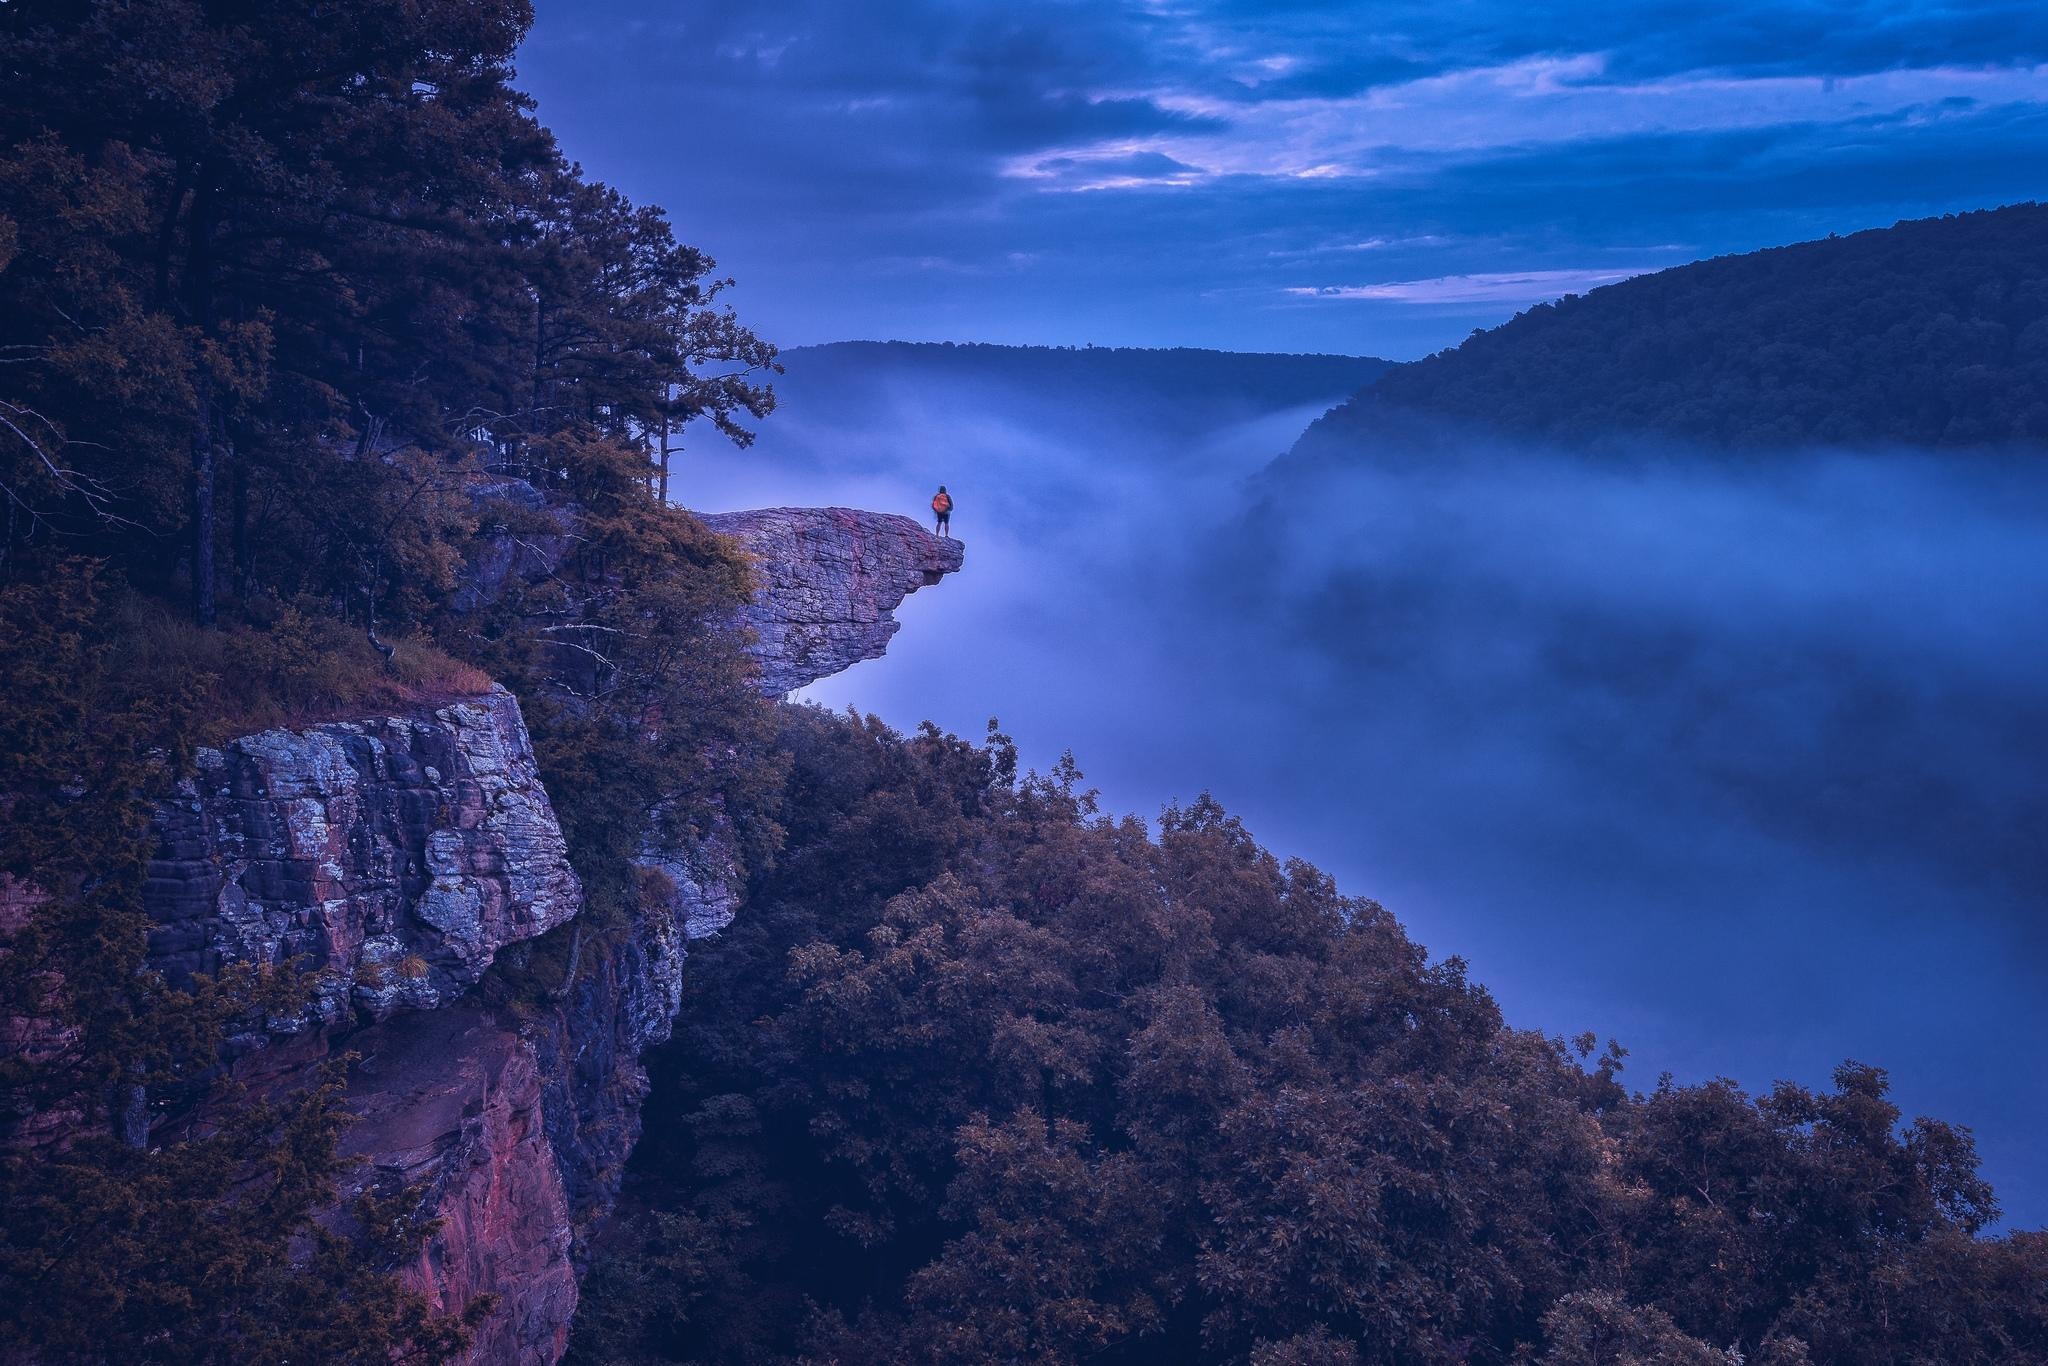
(284, 668)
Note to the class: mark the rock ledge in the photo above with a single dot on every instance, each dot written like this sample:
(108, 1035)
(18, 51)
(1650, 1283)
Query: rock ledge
(831, 580)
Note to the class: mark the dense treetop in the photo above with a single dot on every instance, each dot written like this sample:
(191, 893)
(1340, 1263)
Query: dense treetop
(1273, 378)
(983, 1075)
(301, 260)
(1110, 398)
(1930, 333)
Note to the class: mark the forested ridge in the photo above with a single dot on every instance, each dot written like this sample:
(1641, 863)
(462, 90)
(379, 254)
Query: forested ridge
(1192, 374)
(290, 296)
(1120, 399)
(1931, 333)
(984, 1074)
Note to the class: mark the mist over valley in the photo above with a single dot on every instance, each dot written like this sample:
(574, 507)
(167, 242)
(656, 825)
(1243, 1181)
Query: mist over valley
(1468, 792)
(1731, 759)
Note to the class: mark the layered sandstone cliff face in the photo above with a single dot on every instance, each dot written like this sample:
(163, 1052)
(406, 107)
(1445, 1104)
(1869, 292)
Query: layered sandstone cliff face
(401, 856)
(832, 579)
(398, 855)
(453, 1102)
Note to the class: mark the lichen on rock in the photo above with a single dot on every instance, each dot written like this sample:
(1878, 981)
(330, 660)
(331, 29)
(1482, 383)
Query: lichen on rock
(398, 856)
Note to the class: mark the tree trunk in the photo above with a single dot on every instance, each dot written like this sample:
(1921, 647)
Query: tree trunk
(245, 555)
(370, 610)
(199, 300)
(540, 354)
(167, 233)
(130, 1112)
(664, 459)
(203, 610)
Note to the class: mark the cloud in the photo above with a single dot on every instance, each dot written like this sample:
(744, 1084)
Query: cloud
(1526, 287)
(1541, 101)
(1170, 170)
(1341, 52)
(1113, 168)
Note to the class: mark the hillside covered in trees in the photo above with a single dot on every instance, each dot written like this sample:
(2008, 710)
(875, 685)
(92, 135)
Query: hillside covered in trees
(983, 1074)
(1196, 380)
(1932, 333)
(301, 312)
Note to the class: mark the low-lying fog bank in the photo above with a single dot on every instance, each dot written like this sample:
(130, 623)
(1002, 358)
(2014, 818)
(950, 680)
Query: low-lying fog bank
(1739, 764)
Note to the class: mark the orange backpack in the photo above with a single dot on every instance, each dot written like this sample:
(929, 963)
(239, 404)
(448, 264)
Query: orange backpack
(942, 502)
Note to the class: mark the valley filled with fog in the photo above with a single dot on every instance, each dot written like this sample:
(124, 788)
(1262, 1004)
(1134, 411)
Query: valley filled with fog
(1735, 761)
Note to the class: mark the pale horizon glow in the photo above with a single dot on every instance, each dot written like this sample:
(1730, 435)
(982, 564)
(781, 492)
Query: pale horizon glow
(1526, 287)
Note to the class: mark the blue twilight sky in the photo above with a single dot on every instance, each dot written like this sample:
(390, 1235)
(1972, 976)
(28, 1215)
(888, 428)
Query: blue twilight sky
(1373, 178)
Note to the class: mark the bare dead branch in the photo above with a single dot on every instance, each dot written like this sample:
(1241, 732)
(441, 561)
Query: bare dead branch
(23, 422)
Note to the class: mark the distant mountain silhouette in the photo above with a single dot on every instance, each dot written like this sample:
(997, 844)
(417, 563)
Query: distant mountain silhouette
(1930, 333)
(1182, 386)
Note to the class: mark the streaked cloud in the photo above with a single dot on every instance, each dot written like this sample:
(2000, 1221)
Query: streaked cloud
(1532, 103)
(1113, 168)
(1500, 287)
(1167, 170)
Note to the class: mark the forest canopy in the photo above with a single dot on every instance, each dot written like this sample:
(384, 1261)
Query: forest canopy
(1931, 333)
(986, 1075)
(302, 312)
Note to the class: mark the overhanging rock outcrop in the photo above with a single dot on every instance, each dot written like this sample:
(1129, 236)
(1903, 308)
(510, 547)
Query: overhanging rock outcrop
(831, 580)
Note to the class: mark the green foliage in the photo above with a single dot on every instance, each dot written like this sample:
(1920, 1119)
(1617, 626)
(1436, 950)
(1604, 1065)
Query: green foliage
(207, 1250)
(651, 1292)
(1594, 1328)
(649, 733)
(984, 1075)
(202, 1249)
(1930, 333)
(283, 288)
(78, 745)
(314, 265)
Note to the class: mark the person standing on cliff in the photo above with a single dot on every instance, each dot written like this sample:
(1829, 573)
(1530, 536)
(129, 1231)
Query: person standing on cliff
(942, 509)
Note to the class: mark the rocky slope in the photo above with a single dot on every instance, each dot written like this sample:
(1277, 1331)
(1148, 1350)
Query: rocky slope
(398, 856)
(402, 855)
(454, 1101)
(832, 579)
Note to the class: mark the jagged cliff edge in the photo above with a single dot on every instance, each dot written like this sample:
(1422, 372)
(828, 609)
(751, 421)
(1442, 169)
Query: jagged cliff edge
(402, 854)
